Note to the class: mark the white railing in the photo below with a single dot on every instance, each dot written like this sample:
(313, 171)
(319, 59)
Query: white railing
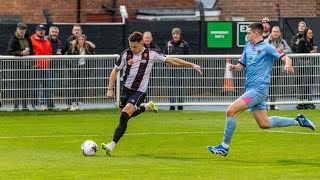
(66, 82)
(70, 81)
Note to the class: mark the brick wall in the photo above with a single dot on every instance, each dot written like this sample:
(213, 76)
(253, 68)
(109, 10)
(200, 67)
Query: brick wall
(253, 10)
(66, 10)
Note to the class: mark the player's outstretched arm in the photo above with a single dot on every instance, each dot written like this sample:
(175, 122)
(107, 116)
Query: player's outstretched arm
(181, 62)
(112, 79)
(288, 67)
(238, 67)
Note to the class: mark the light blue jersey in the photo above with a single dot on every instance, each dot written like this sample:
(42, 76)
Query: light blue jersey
(258, 59)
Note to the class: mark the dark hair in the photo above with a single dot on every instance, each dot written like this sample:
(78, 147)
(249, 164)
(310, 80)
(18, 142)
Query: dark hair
(305, 34)
(135, 37)
(256, 27)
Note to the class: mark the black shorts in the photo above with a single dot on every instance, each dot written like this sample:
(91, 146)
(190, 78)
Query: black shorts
(132, 97)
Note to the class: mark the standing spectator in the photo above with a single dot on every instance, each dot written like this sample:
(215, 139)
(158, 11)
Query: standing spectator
(306, 69)
(76, 30)
(266, 27)
(79, 72)
(148, 42)
(295, 39)
(41, 46)
(177, 46)
(55, 42)
(136, 64)
(20, 45)
(56, 64)
(282, 46)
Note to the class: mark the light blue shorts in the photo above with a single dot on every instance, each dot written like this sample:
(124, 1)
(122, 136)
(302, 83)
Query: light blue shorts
(255, 99)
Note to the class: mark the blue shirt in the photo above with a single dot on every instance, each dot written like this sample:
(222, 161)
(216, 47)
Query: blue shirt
(258, 59)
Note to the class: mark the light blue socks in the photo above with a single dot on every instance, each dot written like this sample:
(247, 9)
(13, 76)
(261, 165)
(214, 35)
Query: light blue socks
(229, 130)
(276, 121)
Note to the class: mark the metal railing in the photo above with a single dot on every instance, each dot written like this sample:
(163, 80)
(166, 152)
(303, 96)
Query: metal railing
(68, 83)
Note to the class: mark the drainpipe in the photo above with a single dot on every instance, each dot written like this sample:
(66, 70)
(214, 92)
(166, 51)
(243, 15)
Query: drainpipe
(78, 11)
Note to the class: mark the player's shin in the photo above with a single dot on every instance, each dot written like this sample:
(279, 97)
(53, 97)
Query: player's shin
(228, 131)
(122, 127)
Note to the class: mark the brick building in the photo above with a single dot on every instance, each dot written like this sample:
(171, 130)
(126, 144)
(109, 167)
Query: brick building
(66, 11)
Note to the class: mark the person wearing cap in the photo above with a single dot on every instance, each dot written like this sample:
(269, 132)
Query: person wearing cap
(20, 45)
(177, 46)
(296, 38)
(266, 27)
(41, 46)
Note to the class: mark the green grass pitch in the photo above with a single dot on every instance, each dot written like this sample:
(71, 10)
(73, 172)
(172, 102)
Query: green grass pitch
(166, 145)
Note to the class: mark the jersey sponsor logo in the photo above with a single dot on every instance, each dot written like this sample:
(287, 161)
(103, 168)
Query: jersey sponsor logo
(279, 51)
(130, 61)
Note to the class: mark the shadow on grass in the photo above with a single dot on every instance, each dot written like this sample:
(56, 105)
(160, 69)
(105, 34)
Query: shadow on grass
(153, 156)
(57, 113)
(285, 162)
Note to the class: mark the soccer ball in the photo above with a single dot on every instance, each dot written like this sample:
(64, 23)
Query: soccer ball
(89, 148)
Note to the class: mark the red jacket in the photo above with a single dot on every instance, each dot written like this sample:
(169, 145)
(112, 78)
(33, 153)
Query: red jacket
(41, 46)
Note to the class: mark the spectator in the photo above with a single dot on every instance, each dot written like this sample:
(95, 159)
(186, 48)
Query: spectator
(20, 45)
(266, 27)
(305, 69)
(148, 42)
(276, 40)
(177, 46)
(56, 64)
(41, 46)
(295, 39)
(55, 42)
(80, 72)
(76, 30)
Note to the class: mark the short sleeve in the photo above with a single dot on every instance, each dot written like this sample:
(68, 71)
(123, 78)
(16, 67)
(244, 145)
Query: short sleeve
(121, 60)
(274, 52)
(243, 58)
(157, 57)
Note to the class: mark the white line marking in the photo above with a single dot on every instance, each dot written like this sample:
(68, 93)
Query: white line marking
(153, 133)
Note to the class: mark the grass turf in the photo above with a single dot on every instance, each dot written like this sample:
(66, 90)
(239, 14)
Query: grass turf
(167, 145)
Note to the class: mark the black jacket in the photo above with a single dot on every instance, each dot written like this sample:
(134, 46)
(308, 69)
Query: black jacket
(14, 46)
(181, 47)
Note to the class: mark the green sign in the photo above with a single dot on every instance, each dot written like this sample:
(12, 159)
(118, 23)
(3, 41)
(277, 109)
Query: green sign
(219, 35)
(242, 33)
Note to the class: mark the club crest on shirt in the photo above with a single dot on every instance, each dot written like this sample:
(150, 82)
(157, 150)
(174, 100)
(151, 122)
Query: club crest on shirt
(129, 56)
(259, 51)
(130, 61)
(145, 55)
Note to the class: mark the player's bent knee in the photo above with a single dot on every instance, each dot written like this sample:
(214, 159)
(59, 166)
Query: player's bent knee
(231, 112)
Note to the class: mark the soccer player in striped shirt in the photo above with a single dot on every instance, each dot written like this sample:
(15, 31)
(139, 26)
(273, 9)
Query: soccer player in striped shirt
(136, 64)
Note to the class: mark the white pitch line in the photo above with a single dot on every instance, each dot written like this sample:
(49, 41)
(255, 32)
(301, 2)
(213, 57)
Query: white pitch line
(152, 133)
(290, 132)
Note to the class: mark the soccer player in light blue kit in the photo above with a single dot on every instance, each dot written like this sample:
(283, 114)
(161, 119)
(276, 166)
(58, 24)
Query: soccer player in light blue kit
(257, 59)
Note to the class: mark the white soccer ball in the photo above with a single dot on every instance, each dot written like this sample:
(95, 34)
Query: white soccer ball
(89, 148)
